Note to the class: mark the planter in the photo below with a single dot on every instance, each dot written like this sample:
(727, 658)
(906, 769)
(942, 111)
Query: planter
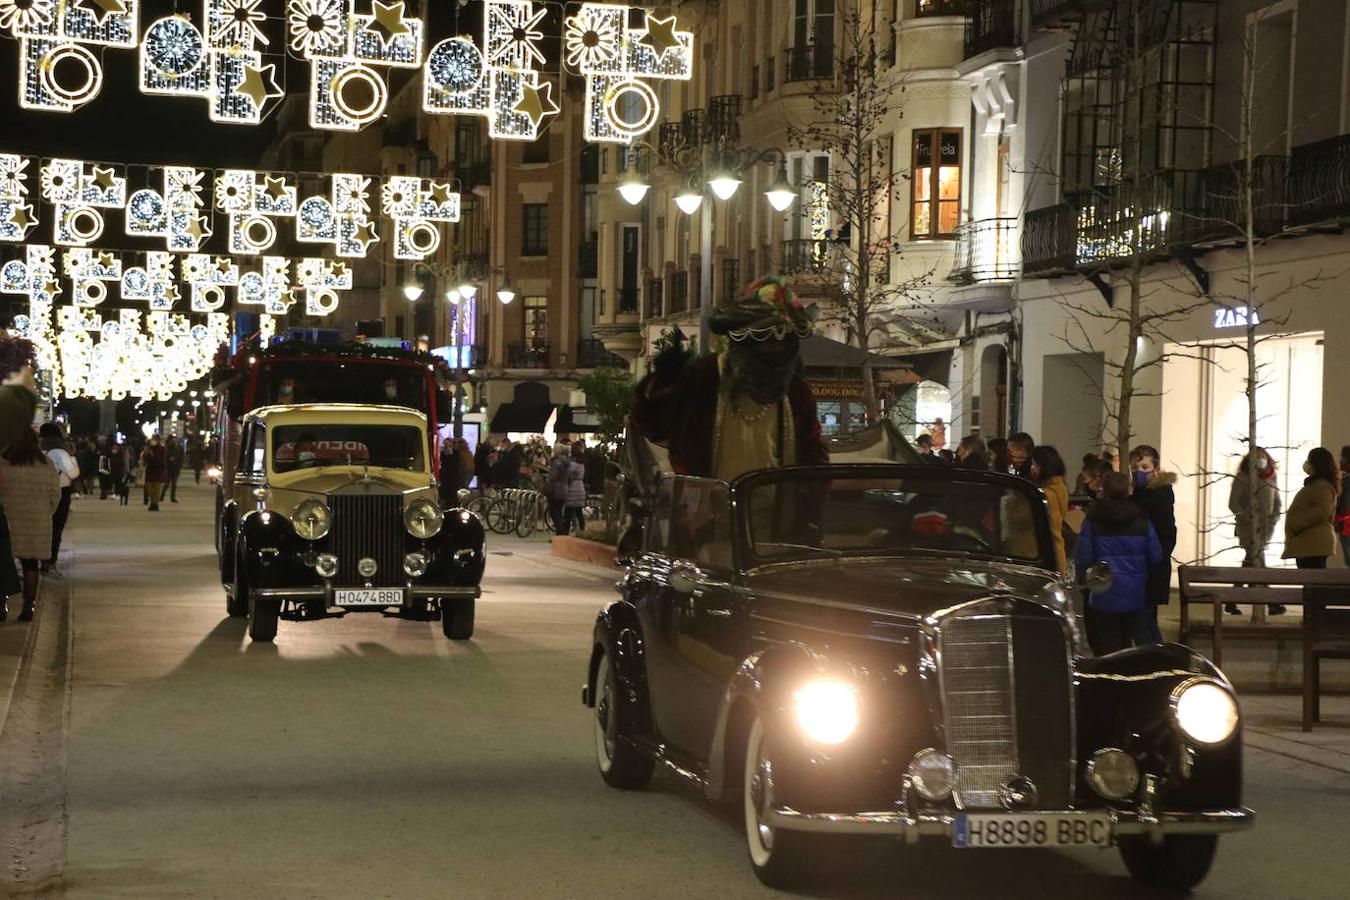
(581, 550)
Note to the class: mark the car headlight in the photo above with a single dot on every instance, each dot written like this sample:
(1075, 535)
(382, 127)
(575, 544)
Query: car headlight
(311, 520)
(827, 710)
(423, 519)
(1204, 711)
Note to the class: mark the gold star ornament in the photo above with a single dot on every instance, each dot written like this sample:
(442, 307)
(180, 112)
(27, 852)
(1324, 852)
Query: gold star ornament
(196, 228)
(275, 187)
(388, 21)
(223, 265)
(536, 101)
(104, 177)
(339, 269)
(365, 234)
(51, 287)
(258, 83)
(22, 217)
(101, 9)
(660, 35)
(105, 260)
(440, 193)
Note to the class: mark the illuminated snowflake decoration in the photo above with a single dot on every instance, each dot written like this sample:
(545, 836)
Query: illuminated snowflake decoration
(319, 281)
(252, 199)
(341, 219)
(34, 276)
(346, 92)
(89, 272)
(154, 282)
(78, 192)
(315, 25)
(57, 70)
(417, 206)
(224, 66)
(498, 84)
(16, 213)
(618, 62)
(175, 215)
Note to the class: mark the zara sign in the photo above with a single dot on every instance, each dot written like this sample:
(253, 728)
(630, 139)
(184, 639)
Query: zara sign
(1236, 317)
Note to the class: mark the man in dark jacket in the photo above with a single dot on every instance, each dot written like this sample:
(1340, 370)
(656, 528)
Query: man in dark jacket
(18, 401)
(1154, 497)
(1117, 534)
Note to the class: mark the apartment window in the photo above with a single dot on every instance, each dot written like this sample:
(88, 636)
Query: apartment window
(536, 321)
(536, 230)
(935, 183)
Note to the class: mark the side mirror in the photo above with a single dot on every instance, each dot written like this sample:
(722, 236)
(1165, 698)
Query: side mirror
(463, 496)
(1098, 578)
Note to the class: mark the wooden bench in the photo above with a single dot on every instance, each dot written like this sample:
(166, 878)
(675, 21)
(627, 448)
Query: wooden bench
(1324, 595)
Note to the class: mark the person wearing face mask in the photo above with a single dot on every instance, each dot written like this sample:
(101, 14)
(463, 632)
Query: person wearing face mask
(1308, 536)
(1153, 494)
(1255, 505)
(1020, 447)
(305, 453)
(390, 390)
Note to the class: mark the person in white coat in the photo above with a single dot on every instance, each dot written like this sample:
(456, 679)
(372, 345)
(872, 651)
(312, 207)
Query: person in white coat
(53, 444)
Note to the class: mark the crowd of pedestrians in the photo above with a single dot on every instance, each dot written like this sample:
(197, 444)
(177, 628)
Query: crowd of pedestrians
(1130, 522)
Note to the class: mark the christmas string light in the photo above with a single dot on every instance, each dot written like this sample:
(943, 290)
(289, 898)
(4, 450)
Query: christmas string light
(175, 214)
(320, 280)
(499, 82)
(616, 60)
(16, 213)
(341, 220)
(77, 190)
(154, 282)
(89, 273)
(416, 205)
(251, 199)
(54, 40)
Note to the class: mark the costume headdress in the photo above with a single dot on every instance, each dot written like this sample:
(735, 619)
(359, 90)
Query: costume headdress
(768, 310)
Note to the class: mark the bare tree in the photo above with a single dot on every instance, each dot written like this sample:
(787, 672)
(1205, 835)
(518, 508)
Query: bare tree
(860, 258)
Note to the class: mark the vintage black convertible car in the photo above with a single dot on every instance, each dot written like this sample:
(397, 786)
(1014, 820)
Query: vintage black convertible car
(886, 650)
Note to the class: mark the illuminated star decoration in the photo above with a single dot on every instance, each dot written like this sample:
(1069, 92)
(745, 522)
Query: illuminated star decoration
(104, 178)
(242, 18)
(537, 102)
(16, 213)
(621, 104)
(103, 8)
(258, 84)
(174, 214)
(22, 217)
(513, 34)
(252, 199)
(341, 219)
(415, 213)
(388, 20)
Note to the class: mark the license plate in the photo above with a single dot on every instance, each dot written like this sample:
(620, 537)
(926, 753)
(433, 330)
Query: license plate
(1032, 830)
(369, 597)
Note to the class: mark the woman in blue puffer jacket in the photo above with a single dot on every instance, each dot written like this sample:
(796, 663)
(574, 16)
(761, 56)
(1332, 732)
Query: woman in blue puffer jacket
(575, 500)
(1118, 534)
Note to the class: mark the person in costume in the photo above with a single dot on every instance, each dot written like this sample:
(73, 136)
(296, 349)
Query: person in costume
(747, 407)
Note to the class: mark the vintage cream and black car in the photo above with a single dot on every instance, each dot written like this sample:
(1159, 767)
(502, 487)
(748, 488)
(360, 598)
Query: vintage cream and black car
(334, 510)
(886, 650)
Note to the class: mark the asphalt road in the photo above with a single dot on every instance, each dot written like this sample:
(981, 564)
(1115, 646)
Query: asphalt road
(370, 757)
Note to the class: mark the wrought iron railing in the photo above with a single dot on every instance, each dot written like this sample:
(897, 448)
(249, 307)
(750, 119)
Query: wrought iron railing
(939, 7)
(1124, 222)
(1048, 239)
(691, 125)
(527, 355)
(654, 308)
(591, 354)
(474, 266)
(679, 291)
(811, 62)
(1319, 181)
(805, 256)
(628, 299)
(1053, 12)
(1225, 203)
(723, 119)
(985, 251)
(990, 24)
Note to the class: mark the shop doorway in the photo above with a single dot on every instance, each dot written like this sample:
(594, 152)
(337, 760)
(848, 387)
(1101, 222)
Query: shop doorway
(1289, 401)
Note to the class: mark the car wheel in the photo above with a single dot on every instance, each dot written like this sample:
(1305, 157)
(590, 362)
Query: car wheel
(621, 764)
(262, 619)
(1179, 863)
(782, 859)
(236, 602)
(457, 619)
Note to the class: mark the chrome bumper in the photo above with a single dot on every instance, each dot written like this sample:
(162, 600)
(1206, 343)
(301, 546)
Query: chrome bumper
(913, 827)
(325, 593)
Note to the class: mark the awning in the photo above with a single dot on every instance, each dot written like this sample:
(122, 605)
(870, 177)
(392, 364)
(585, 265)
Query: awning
(525, 418)
(820, 352)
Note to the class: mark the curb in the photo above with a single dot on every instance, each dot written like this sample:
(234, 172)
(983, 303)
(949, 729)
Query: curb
(584, 551)
(11, 677)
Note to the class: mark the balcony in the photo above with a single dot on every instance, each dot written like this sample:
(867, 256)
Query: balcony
(679, 291)
(985, 251)
(474, 265)
(654, 309)
(628, 299)
(691, 127)
(924, 8)
(527, 355)
(591, 354)
(588, 253)
(590, 164)
(1117, 224)
(813, 62)
(990, 24)
(1059, 13)
(670, 136)
(1319, 181)
(1048, 240)
(474, 174)
(1225, 212)
(806, 256)
(723, 121)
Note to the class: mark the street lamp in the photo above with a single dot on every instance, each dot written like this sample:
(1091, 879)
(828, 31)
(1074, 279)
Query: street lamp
(689, 200)
(781, 193)
(413, 291)
(632, 187)
(453, 295)
(506, 293)
(724, 184)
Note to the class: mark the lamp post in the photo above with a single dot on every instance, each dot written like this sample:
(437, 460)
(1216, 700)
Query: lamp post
(718, 170)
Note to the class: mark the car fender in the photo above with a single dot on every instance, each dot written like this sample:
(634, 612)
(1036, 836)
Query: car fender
(463, 548)
(226, 534)
(760, 688)
(619, 633)
(266, 539)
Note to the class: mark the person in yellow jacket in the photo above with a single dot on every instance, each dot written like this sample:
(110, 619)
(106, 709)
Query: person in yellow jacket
(1309, 537)
(1048, 471)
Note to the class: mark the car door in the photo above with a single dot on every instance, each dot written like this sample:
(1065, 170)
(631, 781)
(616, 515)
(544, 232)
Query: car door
(695, 628)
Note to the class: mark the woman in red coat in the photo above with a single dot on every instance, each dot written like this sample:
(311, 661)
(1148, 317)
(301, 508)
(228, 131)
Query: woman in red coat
(156, 461)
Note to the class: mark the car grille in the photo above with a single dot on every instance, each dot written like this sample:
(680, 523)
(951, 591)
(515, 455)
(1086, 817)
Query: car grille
(367, 525)
(1008, 706)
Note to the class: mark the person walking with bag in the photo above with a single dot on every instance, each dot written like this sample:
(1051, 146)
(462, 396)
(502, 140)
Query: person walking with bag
(53, 446)
(1308, 535)
(1118, 534)
(31, 492)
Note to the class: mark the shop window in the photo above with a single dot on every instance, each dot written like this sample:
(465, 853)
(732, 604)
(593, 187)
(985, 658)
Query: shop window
(936, 183)
(536, 321)
(535, 232)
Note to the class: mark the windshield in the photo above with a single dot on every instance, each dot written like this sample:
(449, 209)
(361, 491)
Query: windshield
(820, 516)
(325, 381)
(314, 446)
